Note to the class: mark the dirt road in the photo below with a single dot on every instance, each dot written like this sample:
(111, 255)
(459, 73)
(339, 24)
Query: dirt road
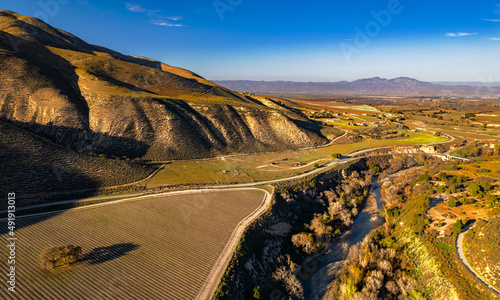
(461, 254)
(213, 279)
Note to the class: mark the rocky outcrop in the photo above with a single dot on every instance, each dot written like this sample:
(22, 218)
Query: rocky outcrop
(429, 149)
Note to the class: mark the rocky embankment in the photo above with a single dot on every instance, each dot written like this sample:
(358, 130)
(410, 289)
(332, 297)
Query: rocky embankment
(393, 150)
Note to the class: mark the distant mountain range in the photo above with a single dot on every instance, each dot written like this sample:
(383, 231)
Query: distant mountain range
(401, 86)
(469, 83)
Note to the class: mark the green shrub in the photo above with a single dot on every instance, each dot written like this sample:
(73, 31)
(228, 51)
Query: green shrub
(425, 177)
(467, 200)
(485, 186)
(257, 292)
(443, 246)
(474, 189)
(457, 227)
(336, 155)
(443, 176)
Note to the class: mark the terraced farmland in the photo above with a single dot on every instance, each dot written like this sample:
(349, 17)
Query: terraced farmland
(160, 247)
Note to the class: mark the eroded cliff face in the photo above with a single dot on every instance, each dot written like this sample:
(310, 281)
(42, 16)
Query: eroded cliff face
(176, 129)
(90, 98)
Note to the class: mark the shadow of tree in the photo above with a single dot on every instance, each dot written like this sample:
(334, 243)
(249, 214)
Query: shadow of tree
(103, 254)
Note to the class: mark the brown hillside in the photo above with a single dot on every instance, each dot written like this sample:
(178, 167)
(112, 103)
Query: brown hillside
(91, 98)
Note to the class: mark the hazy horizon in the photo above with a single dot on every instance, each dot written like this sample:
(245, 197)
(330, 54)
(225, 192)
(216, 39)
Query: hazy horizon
(482, 83)
(322, 42)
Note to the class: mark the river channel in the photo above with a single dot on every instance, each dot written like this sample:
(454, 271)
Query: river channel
(323, 269)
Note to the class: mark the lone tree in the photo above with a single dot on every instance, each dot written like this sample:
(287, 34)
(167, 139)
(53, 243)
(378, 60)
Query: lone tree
(336, 155)
(457, 227)
(475, 189)
(60, 256)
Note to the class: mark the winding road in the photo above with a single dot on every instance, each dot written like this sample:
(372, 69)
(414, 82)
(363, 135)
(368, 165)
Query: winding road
(462, 257)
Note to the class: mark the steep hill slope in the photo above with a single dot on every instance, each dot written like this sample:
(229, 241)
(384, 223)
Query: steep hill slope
(90, 98)
(38, 170)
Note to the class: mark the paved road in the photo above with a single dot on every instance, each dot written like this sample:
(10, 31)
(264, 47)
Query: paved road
(461, 254)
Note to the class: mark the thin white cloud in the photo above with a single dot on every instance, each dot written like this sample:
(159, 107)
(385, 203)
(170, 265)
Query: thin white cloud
(459, 34)
(135, 7)
(494, 39)
(174, 18)
(138, 8)
(492, 20)
(166, 23)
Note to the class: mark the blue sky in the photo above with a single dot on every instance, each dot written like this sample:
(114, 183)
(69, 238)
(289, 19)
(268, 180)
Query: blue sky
(292, 40)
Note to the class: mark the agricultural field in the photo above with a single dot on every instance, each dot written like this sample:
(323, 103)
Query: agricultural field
(459, 131)
(335, 106)
(363, 108)
(464, 123)
(158, 247)
(260, 167)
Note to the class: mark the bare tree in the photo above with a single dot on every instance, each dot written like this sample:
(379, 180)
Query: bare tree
(304, 242)
(321, 231)
(290, 280)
